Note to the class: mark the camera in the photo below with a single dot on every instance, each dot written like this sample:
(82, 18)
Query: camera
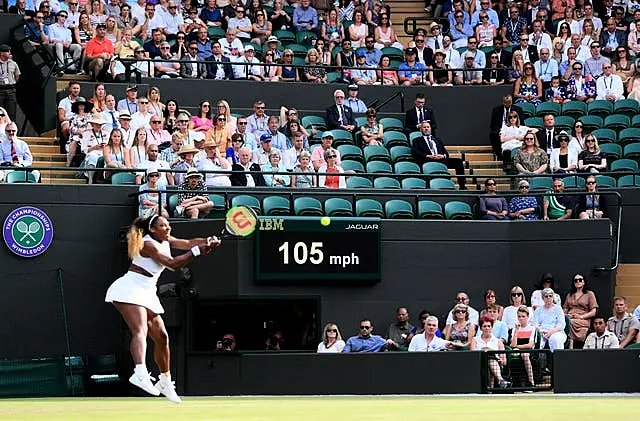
(227, 343)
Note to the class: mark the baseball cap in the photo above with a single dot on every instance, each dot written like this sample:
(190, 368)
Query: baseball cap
(411, 50)
(328, 133)
(353, 87)
(152, 170)
(470, 55)
(360, 53)
(523, 183)
(265, 138)
(101, 25)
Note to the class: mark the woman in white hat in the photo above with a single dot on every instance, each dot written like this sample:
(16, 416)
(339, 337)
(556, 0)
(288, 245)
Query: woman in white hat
(193, 204)
(151, 203)
(92, 143)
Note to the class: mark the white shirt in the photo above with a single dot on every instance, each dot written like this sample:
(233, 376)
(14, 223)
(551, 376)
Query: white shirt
(253, 67)
(158, 163)
(290, 158)
(236, 23)
(127, 136)
(510, 316)
(582, 53)
(609, 85)
(231, 50)
(59, 33)
(65, 104)
(140, 120)
(544, 41)
(419, 344)
(335, 348)
(572, 158)
(172, 22)
(452, 58)
(106, 114)
(473, 316)
(72, 19)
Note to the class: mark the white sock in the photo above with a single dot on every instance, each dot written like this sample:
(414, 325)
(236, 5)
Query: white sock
(166, 376)
(141, 369)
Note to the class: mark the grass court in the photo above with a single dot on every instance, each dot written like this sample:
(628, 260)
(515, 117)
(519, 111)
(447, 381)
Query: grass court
(468, 408)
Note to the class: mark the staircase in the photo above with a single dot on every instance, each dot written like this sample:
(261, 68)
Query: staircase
(401, 9)
(481, 165)
(628, 284)
(46, 153)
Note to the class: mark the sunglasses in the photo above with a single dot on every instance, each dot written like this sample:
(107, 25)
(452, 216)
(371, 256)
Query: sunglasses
(491, 184)
(524, 187)
(461, 311)
(172, 7)
(590, 182)
(578, 126)
(205, 105)
(139, 51)
(332, 331)
(183, 121)
(548, 296)
(153, 175)
(331, 157)
(222, 119)
(288, 55)
(260, 107)
(143, 102)
(516, 294)
(10, 131)
(460, 299)
(242, 123)
(156, 122)
(365, 327)
(578, 280)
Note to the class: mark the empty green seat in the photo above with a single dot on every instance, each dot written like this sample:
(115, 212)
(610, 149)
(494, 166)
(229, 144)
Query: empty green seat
(413, 135)
(391, 123)
(376, 153)
(627, 165)
(285, 37)
(629, 135)
(441, 184)
(574, 182)
(413, 183)
(565, 123)
(398, 209)
(457, 210)
(393, 138)
(605, 135)
(314, 121)
(406, 167)
(547, 108)
(606, 181)
(376, 167)
(600, 108)
(307, 206)
(434, 168)
(632, 150)
(173, 202)
(617, 122)
(635, 121)
(337, 206)
(219, 206)
(428, 209)
(369, 208)
(342, 137)
(358, 183)
(528, 110)
(355, 166)
(393, 53)
(386, 183)
(541, 183)
(248, 201)
(400, 153)
(575, 109)
(360, 121)
(215, 33)
(534, 122)
(591, 122)
(276, 205)
(628, 107)
(121, 178)
(613, 151)
(350, 152)
(629, 181)
(305, 37)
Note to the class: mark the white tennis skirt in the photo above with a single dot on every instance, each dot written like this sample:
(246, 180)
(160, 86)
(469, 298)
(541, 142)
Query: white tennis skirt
(134, 288)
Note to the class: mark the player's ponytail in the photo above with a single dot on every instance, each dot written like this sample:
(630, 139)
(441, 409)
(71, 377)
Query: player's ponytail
(140, 227)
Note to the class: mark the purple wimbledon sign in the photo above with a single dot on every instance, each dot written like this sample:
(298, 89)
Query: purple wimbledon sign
(27, 231)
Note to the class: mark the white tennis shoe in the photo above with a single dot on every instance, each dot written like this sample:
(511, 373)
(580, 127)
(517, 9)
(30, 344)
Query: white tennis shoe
(168, 388)
(143, 381)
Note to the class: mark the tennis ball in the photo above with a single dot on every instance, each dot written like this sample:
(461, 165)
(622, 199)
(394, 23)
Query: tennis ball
(325, 221)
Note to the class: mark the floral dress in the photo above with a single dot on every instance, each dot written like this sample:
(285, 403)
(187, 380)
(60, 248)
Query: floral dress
(531, 89)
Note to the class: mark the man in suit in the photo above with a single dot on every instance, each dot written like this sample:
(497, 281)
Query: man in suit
(547, 136)
(245, 164)
(504, 57)
(611, 38)
(219, 66)
(529, 52)
(192, 70)
(498, 119)
(428, 148)
(530, 15)
(340, 116)
(419, 113)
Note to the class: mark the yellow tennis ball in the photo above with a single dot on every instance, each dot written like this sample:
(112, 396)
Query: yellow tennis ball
(325, 221)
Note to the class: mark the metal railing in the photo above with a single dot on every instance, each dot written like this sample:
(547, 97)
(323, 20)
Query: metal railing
(519, 368)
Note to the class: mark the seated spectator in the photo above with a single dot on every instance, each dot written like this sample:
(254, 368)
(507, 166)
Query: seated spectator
(220, 134)
(240, 24)
(339, 115)
(528, 88)
(460, 28)
(358, 30)
(191, 203)
(524, 337)
(130, 103)
(244, 164)
(593, 65)
(485, 31)
(463, 298)
(163, 67)
(400, 331)
(489, 299)
(412, 72)
(78, 125)
(556, 93)
(331, 166)
(539, 38)
(201, 122)
(384, 35)
(214, 161)
(566, 67)
(580, 305)
(138, 148)
(510, 313)
(356, 104)
(579, 87)
(591, 206)
(372, 131)
(557, 206)
(60, 37)
(37, 32)
(549, 320)
(441, 75)
(623, 65)
(231, 45)
(218, 66)
(305, 17)
(261, 29)
(325, 56)
(563, 159)
(153, 161)
(232, 152)
(186, 154)
(152, 203)
(275, 180)
(193, 66)
(287, 72)
(471, 73)
(316, 74)
(612, 37)
(515, 29)
(591, 159)
(371, 51)
(251, 69)
(486, 341)
(211, 15)
(290, 157)
(272, 47)
(609, 86)
(303, 176)
(601, 337)
(428, 341)
(624, 325)
(523, 207)
(331, 340)
(346, 57)
(547, 281)
(170, 154)
(83, 32)
(365, 341)
(261, 154)
(495, 73)
(530, 159)
(429, 148)
(499, 330)
(92, 143)
(98, 52)
(362, 74)
(149, 22)
(15, 152)
(99, 98)
(115, 154)
(517, 67)
(332, 30)
(248, 138)
(492, 207)
(511, 137)
(462, 330)
(156, 134)
(389, 76)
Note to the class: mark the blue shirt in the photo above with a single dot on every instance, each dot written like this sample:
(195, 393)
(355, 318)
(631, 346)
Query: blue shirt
(374, 343)
(466, 20)
(467, 31)
(300, 16)
(22, 151)
(549, 319)
(372, 57)
(33, 32)
(565, 65)
(499, 330)
(278, 140)
(545, 71)
(493, 17)
(410, 72)
(214, 15)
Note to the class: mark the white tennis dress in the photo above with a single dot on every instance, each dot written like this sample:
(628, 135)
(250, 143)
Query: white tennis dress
(134, 288)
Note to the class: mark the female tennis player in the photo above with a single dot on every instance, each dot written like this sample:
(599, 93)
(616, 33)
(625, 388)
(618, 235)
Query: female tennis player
(134, 295)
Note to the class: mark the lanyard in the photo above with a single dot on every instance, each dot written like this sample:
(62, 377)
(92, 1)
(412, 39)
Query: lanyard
(604, 80)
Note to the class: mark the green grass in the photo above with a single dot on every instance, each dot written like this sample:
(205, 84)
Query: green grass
(467, 408)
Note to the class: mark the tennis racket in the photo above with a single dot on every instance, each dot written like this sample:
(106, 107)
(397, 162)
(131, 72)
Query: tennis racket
(240, 221)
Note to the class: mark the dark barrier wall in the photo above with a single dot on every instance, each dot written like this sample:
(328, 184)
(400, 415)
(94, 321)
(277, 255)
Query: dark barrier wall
(629, 250)
(323, 374)
(7, 22)
(597, 371)
(469, 104)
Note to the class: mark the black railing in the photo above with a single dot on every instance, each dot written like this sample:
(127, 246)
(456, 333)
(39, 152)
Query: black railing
(519, 365)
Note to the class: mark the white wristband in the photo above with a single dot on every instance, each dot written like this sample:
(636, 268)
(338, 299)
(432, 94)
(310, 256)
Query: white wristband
(195, 250)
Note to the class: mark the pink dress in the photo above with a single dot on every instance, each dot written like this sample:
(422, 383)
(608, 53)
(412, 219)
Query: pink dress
(202, 122)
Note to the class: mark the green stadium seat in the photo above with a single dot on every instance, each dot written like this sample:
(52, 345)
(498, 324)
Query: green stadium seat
(541, 183)
(601, 108)
(565, 123)
(534, 122)
(613, 151)
(626, 165)
(413, 183)
(428, 209)
(413, 135)
(121, 178)
(574, 182)
(457, 210)
(575, 109)
(248, 201)
(434, 168)
(441, 184)
(605, 136)
(617, 122)
(276, 205)
(305, 37)
(377, 167)
(392, 138)
(219, 206)
(360, 121)
(606, 181)
(391, 123)
(351, 152)
(337, 206)
(307, 206)
(406, 167)
(376, 153)
(285, 37)
(628, 136)
(354, 166)
(632, 151)
(628, 107)
(369, 208)
(629, 181)
(591, 122)
(400, 153)
(298, 50)
(314, 121)
(514, 151)
(341, 136)
(393, 53)
(173, 202)
(398, 209)
(635, 121)
(385, 183)
(528, 110)
(214, 33)
(358, 183)
(335, 77)
(547, 108)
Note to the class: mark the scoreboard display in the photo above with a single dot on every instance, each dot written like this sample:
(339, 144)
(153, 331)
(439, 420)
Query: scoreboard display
(314, 248)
